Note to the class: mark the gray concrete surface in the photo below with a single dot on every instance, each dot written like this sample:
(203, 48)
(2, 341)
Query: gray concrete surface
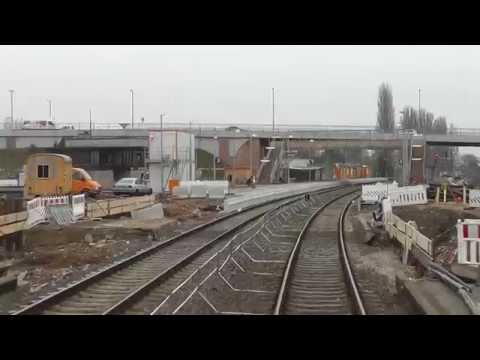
(469, 272)
(434, 297)
(148, 213)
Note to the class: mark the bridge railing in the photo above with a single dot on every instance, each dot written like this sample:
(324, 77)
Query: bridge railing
(260, 129)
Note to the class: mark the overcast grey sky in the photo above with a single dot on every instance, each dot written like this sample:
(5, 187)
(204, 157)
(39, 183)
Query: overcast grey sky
(230, 84)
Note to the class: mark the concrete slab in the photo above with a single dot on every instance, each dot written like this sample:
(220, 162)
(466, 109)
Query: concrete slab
(435, 298)
(151, 212)
(469, 272)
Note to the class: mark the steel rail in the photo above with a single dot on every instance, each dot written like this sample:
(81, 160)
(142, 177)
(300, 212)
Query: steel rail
(79, 285)
(355, 292)
(279, 303)
(138, 293)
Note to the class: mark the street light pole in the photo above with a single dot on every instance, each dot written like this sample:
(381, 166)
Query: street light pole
(90, 111)
(11, 105)
(215, 145)
(273, 111)
(161, 149)
(131, 93)
(419, 94)
(251, 157)
(288, 162)
(50, 109)
(190, 151)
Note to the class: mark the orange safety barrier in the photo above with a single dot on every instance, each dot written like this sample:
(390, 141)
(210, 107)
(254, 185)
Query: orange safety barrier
(173, 183)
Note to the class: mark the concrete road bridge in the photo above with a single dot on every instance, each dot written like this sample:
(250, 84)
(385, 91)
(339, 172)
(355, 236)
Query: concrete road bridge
(126, 146)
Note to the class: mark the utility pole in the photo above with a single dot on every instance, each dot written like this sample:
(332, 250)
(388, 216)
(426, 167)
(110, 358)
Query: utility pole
(215, 145)
(419, 94)
(90, 111)
(131, 93)
(251, 156)
(190, 152)
(273, 111)
(288, 159)
(50, 109)
(161, 148)
(11, 106)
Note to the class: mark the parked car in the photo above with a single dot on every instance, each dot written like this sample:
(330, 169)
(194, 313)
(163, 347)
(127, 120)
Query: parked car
(40, 124)
(132, 186)
(411, 132)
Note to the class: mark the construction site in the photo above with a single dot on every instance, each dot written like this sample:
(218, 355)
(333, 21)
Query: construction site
(135, 217)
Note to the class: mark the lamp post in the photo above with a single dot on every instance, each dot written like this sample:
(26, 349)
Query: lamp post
(161, 148)
(273, 111)
(90, 111)
(288, 158)
(251, 156)
(131, 100)
(419, 95)
(50, 109)
(11, 106)
(215, 158)
(311, 156)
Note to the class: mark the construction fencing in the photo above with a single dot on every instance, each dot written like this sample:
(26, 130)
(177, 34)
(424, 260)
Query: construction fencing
(468, 237)
(474, 198)
(101, 208)
(375, 192)
(36, 213)
(60, 208)
(405, 233)
(408, 195)
(399, 196)
(78, 207)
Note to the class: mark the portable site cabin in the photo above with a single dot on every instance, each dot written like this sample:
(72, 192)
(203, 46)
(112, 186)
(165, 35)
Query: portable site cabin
(48, 174)
(348, 171)
(172, 156)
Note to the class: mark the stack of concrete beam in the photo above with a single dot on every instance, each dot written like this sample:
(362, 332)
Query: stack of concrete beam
(183, 190)
(202, 189)
(217, 189)
(198, 189)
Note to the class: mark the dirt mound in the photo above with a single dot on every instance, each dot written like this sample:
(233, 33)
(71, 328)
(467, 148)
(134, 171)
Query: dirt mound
(434, 222)
(437, 222)
(71, 254)
(187, 208)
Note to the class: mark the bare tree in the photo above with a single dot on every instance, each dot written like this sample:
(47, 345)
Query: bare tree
(439, 125)
(409, 118)
(386, 112)
(470, 168)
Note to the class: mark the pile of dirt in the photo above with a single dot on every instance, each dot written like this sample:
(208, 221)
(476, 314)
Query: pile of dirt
(183, 209)
(70, 254)
(438, 223)
(434, 222)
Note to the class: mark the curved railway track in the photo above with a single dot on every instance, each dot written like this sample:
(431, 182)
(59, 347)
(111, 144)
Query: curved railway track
(318, 278)
(244, 275)
(114, 289)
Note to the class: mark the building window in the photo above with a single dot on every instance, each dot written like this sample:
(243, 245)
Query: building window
(42, 171)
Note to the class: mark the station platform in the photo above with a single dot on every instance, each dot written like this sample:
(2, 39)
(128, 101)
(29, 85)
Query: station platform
(245, 196)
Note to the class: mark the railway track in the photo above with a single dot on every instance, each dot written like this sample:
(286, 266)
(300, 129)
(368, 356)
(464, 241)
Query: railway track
(318, 278)
(120, 286)
(244, 275)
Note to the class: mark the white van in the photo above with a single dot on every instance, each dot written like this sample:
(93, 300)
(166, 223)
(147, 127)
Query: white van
(38, 124)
